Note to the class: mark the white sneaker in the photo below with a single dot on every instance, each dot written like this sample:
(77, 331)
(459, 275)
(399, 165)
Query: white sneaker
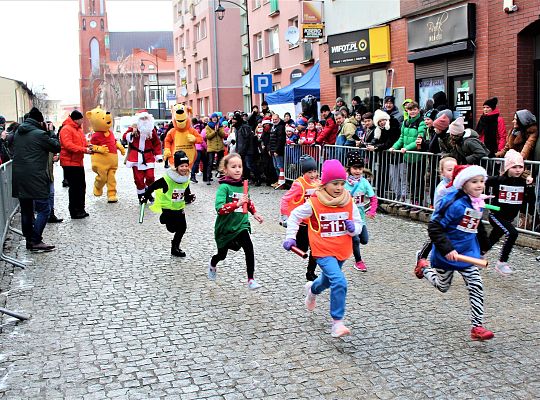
(252, 284)
(503, 268)
(310, 297)
(212, 271)
(339, 330)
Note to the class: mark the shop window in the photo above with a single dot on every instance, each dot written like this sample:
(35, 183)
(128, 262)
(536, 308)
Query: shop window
(370, 86)
(427, 87)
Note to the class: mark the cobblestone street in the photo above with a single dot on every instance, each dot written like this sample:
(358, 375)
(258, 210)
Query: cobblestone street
(113, 315)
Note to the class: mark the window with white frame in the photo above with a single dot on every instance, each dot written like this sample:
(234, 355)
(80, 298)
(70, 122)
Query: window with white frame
(186, 43)
(205, 67)
(273, 40)
(189, 73)
(152, 78)
(197, 32)
(258, 46)
(256, 4)
(199, 70)
(181, 42)
(293, 22)
(154, 95)
(202, 33)
(200, 106)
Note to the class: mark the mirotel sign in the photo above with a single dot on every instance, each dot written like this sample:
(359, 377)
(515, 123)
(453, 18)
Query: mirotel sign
(445, 27)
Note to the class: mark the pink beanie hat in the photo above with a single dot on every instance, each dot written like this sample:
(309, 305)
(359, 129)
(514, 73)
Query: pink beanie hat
(512, 158)
(333, 170)
(457, 127)
(441, 123)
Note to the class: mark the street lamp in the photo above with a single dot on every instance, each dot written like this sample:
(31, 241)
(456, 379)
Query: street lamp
(220, 13)
(156, 63)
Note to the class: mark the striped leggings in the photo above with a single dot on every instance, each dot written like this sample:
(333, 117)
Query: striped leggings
(502, 227)
(442, 279)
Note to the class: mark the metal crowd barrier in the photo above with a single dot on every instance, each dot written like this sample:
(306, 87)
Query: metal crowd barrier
(410, 179)
(8, 208)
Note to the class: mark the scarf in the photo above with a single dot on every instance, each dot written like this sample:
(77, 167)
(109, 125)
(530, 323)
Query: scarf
(329, 201)
(230, 181)
(175, 176)
(351, 180)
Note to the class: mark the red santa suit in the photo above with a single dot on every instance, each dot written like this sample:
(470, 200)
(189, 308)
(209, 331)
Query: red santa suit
(144, 149)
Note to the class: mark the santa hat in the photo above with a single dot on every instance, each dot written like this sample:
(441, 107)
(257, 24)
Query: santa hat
(289, 129)
(463, 173)
(332, 170)
(442, 122)
(457, 128)
(512, 158)
(266, 120)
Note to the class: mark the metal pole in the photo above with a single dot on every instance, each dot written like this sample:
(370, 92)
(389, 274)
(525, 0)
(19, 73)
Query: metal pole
(158, 88)
(132, 86)
(249, 57)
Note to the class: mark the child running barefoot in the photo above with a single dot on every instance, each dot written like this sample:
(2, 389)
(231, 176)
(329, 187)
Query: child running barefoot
(333, 221)
(232, 226)
(446, 169)
(511, 190)
(300, 191)
(454, 231)
(172, 193)
(360, 188)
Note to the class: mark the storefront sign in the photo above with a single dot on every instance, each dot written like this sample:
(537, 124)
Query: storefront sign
(363, 47)
(312, 12)
(312, 31)
(296, 74)
(449, 26)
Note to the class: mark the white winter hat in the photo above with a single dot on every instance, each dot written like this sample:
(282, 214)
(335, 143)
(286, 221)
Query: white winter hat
(379, 115)
(462, 173)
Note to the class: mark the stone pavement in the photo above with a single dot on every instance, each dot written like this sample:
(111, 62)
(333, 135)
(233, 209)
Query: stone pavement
(114, 316)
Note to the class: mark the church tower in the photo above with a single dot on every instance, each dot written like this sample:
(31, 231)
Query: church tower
(93, 48)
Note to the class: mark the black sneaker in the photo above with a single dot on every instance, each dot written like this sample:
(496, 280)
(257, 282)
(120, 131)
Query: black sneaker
(41, 247)
(311, 276)
(53, 219)
(79, 216)
(177, 252)
(194, 180)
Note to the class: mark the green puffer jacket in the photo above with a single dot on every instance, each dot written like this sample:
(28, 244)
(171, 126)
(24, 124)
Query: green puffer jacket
(410, 130)
(214, 139)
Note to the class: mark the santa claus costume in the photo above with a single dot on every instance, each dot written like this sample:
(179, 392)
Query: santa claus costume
(144, 149)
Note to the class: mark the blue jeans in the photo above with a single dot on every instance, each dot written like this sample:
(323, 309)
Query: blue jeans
(332, 277)
(51, 197)
(33, 227)
(278, 162)
(357, 240)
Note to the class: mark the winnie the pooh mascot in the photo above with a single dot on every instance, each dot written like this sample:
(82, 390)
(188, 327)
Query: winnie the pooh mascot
(182, 136)
(104, 157)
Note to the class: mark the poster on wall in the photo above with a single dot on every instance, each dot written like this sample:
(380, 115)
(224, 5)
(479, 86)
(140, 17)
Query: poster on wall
(463, 105)
(427, 88)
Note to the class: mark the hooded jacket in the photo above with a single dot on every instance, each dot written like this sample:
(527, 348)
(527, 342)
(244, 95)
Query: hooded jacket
(523, 139)
(31, 147)
(468, 149)
(74, 145)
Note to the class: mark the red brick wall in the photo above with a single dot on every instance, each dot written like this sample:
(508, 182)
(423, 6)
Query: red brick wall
(328, 80)
(414, 6)
(403, 70)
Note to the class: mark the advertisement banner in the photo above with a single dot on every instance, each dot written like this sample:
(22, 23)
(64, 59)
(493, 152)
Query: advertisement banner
(368, 46)
(312, 31)
(312, 12)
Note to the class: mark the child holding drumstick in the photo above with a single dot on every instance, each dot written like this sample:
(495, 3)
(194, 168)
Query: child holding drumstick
(453, 230)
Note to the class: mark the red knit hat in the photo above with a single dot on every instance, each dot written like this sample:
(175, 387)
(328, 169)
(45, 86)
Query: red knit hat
(441, 123)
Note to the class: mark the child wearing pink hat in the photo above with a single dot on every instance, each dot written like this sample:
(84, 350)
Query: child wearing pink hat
(454, 231)
(511, 190)
(332, 222)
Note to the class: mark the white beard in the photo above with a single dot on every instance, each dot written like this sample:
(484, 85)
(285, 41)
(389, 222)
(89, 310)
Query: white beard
(145, 128)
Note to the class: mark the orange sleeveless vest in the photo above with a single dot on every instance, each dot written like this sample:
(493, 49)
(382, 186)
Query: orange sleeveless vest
(327, 233)
(308, 190)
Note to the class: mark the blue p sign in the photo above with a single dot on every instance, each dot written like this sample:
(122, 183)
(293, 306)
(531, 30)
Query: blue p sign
(262, 83)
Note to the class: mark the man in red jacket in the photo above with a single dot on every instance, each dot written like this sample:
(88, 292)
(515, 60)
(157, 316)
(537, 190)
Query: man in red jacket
(74, 147)
(329, 133)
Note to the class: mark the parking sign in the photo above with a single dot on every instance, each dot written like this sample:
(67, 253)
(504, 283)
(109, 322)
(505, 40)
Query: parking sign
(262, 83)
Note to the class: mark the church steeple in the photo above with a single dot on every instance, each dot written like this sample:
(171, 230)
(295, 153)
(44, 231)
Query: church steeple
(93, 47)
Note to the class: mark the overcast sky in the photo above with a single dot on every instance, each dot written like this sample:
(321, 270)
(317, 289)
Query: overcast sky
(40, 42)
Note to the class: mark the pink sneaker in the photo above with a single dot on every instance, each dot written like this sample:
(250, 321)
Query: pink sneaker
(339, 330)
(360, 266)
(310, 297)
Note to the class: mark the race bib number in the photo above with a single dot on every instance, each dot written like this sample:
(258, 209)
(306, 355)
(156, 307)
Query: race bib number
(359, 198)
(308, 194)
(236, 197)
(511, 194)
(177, 195)
(333, 224)
(470, 221)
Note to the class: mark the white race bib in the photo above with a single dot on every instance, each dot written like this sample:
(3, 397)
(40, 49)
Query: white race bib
(177, 195)
(470, 221)
(511, 194)
(333, 224)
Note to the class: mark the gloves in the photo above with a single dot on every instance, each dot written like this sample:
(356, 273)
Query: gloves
(191, 138)
(166, 153)
(350, 226)
(288, 243)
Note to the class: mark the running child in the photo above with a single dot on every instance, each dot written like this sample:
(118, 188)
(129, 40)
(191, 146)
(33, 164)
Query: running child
(172, 193)
(232, 226)
(446, 169)
(454, 231)
(360, 188)
(511, 191)
(300, 191)
(333, 221)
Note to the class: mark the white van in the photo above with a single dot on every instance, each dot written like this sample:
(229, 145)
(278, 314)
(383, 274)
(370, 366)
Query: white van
(121, 124)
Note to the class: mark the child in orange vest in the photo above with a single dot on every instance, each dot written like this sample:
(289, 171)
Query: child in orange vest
(332, 222)
(300, 191)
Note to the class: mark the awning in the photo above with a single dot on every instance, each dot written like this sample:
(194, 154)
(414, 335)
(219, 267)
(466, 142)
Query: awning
(310, 83)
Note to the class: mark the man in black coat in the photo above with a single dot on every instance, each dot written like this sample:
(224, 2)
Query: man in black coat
(276, 143)
(32, 143)
(246, 143)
